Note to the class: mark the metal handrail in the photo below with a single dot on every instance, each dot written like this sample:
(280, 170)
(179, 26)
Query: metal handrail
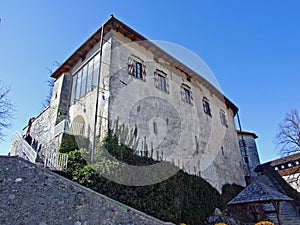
(56, 160)
(30, 153)
(62, 127)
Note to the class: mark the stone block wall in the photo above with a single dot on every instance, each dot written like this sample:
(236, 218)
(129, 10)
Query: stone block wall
(33, 195)
(249, 152)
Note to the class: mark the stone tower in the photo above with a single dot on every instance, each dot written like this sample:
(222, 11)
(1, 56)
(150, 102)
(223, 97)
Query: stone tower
(250, 157)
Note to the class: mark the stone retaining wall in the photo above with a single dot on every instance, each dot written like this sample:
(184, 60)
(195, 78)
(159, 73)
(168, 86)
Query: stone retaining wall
(30, 194)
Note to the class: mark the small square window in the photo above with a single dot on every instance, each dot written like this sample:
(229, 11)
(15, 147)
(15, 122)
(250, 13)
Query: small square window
(206, 106)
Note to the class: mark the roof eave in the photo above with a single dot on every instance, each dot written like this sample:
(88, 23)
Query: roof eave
(118, 26)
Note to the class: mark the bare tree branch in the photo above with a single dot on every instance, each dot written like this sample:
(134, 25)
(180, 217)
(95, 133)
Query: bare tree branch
(6, 110)
(47, 101)
(288, 140)
(288, 136)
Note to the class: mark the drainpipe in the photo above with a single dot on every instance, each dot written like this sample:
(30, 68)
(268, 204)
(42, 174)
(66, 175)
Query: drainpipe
(97, 97)
(245, 151)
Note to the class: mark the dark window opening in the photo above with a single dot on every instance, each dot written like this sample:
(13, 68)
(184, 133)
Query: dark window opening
(188, 78)
(161, 81)
(187, 95)
(154, 127)
(206, 106)
(138, 70)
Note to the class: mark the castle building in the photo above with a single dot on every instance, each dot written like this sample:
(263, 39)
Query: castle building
(249, 153)
(121, 82)
(289, 168)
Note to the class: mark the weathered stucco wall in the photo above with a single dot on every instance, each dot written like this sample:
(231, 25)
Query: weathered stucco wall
(183, 133)
(34, 195)
(250, 157)
(157, 123)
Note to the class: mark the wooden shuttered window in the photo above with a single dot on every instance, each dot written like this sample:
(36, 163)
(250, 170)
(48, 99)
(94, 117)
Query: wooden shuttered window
(161, 81)
(137, 68)
(186, 94)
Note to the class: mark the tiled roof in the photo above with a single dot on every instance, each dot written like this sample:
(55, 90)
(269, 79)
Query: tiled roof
(114, 24)
(242, 132)
(257, 192)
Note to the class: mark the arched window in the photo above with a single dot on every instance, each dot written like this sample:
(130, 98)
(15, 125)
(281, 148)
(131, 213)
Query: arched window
(77, 126)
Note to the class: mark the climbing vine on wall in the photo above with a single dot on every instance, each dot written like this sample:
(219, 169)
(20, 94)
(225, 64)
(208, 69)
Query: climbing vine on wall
(183, 198)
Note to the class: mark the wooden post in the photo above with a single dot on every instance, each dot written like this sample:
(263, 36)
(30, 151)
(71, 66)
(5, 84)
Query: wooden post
(277, 209)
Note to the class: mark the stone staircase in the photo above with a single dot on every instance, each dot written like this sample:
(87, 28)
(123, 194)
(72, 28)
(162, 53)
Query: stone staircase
(22, 149)
(289, 212)
(52, 160)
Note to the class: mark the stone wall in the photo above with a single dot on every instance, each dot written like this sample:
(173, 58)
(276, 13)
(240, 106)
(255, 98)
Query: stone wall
(42, 132)
(45, 129)
(249, 152)
(63, 96)
(33, 195)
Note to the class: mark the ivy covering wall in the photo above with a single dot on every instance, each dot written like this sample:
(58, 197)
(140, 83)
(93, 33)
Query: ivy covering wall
(183, 198)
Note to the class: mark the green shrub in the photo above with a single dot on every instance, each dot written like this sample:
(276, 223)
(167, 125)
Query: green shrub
(68, 144)
(182, 198)
(71, 143)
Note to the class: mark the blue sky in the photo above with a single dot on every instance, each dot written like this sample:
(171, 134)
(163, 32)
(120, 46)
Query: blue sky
(251, 46)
